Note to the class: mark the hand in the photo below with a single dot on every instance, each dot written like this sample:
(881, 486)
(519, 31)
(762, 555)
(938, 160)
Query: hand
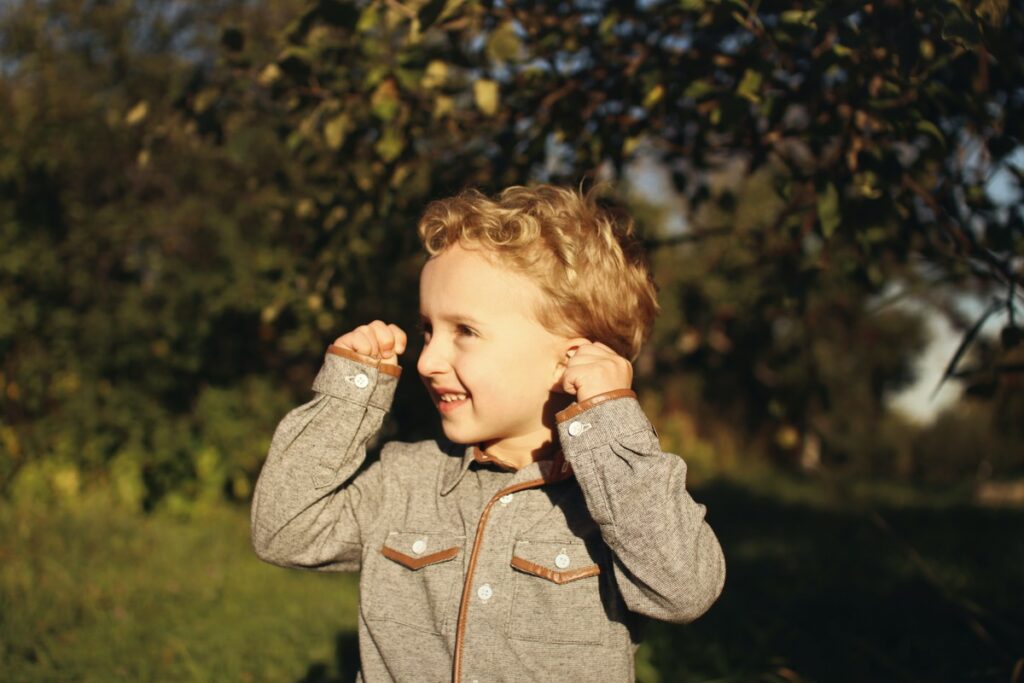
(594, 368)
(377, 342)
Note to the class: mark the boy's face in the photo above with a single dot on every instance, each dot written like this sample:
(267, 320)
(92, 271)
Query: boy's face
(484, 348)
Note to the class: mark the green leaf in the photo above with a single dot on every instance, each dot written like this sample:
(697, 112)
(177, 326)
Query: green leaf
(698, 89)
(750, 86)
(435, 10)
(796, 16)
(960, 29)
(384, 101)
(486, 96)
(336, 129)
(435, 75)
(390, 145)
(654, 96)
(965, 343)
(503, 45)
(828, 210)
(929, 128)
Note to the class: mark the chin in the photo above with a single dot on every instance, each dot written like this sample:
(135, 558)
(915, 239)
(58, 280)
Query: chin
(458, 435)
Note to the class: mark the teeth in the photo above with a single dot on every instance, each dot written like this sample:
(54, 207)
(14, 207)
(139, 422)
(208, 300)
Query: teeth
(448, 398)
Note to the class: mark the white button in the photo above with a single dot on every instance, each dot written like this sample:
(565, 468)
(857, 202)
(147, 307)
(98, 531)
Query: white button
(577, 428)
(506, 499)
(362, 381)
(562, 561)
(419, 546)
(484, 592)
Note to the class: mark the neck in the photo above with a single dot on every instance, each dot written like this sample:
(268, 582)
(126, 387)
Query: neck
(519, 455)
(521, 451)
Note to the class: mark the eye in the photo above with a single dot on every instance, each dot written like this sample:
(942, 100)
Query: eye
(464, 331)
(424, 329)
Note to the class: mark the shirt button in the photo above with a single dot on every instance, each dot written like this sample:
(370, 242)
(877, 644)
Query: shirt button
(419, 546)
(562, 561)
(575, 429)
(361, 381)
(506, 499)
(484, 592)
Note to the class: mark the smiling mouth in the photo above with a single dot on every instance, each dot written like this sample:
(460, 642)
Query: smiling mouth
(449, 402)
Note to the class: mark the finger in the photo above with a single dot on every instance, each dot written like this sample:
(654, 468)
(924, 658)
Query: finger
(575, 344)
(369, 340)
(570, 382)
(401, 341)
(353, 341)
(597, 350)
(384, 336)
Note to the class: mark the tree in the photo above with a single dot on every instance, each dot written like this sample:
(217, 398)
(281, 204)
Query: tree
(189, 209)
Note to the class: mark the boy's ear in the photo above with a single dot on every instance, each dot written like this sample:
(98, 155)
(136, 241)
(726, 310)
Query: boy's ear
(568, 349)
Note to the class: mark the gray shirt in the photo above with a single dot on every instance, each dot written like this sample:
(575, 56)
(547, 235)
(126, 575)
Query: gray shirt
(474, 571)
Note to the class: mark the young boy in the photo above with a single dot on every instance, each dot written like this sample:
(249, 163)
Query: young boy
(530, 543)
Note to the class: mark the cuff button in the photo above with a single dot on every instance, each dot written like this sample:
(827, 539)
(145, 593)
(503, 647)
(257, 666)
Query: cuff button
(577, 428)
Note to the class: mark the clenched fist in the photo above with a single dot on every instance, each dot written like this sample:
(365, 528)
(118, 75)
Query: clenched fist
(594, 368)
(377, 342)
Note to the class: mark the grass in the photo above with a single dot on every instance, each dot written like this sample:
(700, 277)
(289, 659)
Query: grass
(86, 595)
(817, 591)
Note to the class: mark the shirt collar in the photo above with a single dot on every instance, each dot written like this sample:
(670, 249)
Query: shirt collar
(549, 470)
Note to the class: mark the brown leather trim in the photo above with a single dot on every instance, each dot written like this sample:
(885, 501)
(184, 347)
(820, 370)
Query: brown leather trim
(577, 408)
(386, 368)
(482, 456)
(460, 629)
(419, 562)
(552, 575)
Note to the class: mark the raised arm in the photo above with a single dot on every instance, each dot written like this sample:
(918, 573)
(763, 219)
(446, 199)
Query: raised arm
(668, 563)
(310, 507)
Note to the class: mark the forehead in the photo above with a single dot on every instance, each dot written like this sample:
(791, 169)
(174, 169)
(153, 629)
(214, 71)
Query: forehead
(467, 282)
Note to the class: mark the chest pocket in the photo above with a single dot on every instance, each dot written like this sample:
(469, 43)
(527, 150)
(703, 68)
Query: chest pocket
(557, 593)
(412, 581)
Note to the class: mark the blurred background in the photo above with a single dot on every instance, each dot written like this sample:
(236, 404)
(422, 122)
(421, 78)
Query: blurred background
(197, 197)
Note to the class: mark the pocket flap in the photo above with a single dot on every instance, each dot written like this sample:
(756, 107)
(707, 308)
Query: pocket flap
(557, 562)
(416, 550)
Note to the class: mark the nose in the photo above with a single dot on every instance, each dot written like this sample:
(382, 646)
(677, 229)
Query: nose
(433, 360)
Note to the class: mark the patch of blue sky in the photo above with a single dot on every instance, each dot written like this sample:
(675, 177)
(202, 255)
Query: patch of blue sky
(1002, 186)
(676, 42)
(571, 63)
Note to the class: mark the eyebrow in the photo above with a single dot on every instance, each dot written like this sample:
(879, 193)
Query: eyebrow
(455, 318)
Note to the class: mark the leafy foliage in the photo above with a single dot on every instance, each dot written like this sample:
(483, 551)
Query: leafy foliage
(194, 200)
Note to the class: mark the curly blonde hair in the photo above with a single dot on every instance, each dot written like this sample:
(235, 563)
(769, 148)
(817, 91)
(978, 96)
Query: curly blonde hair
(586, 259)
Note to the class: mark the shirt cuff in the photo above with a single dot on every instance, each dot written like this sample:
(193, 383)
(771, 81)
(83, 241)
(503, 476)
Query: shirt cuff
(386, 368)
(348, 376)
(577, 408)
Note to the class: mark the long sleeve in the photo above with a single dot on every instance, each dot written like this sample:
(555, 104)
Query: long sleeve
(310, 506)
(668, 562)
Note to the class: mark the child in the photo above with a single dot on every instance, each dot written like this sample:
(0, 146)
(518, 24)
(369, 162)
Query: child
(530, 543)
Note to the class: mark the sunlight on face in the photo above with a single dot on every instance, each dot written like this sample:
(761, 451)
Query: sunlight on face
(490, 367)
